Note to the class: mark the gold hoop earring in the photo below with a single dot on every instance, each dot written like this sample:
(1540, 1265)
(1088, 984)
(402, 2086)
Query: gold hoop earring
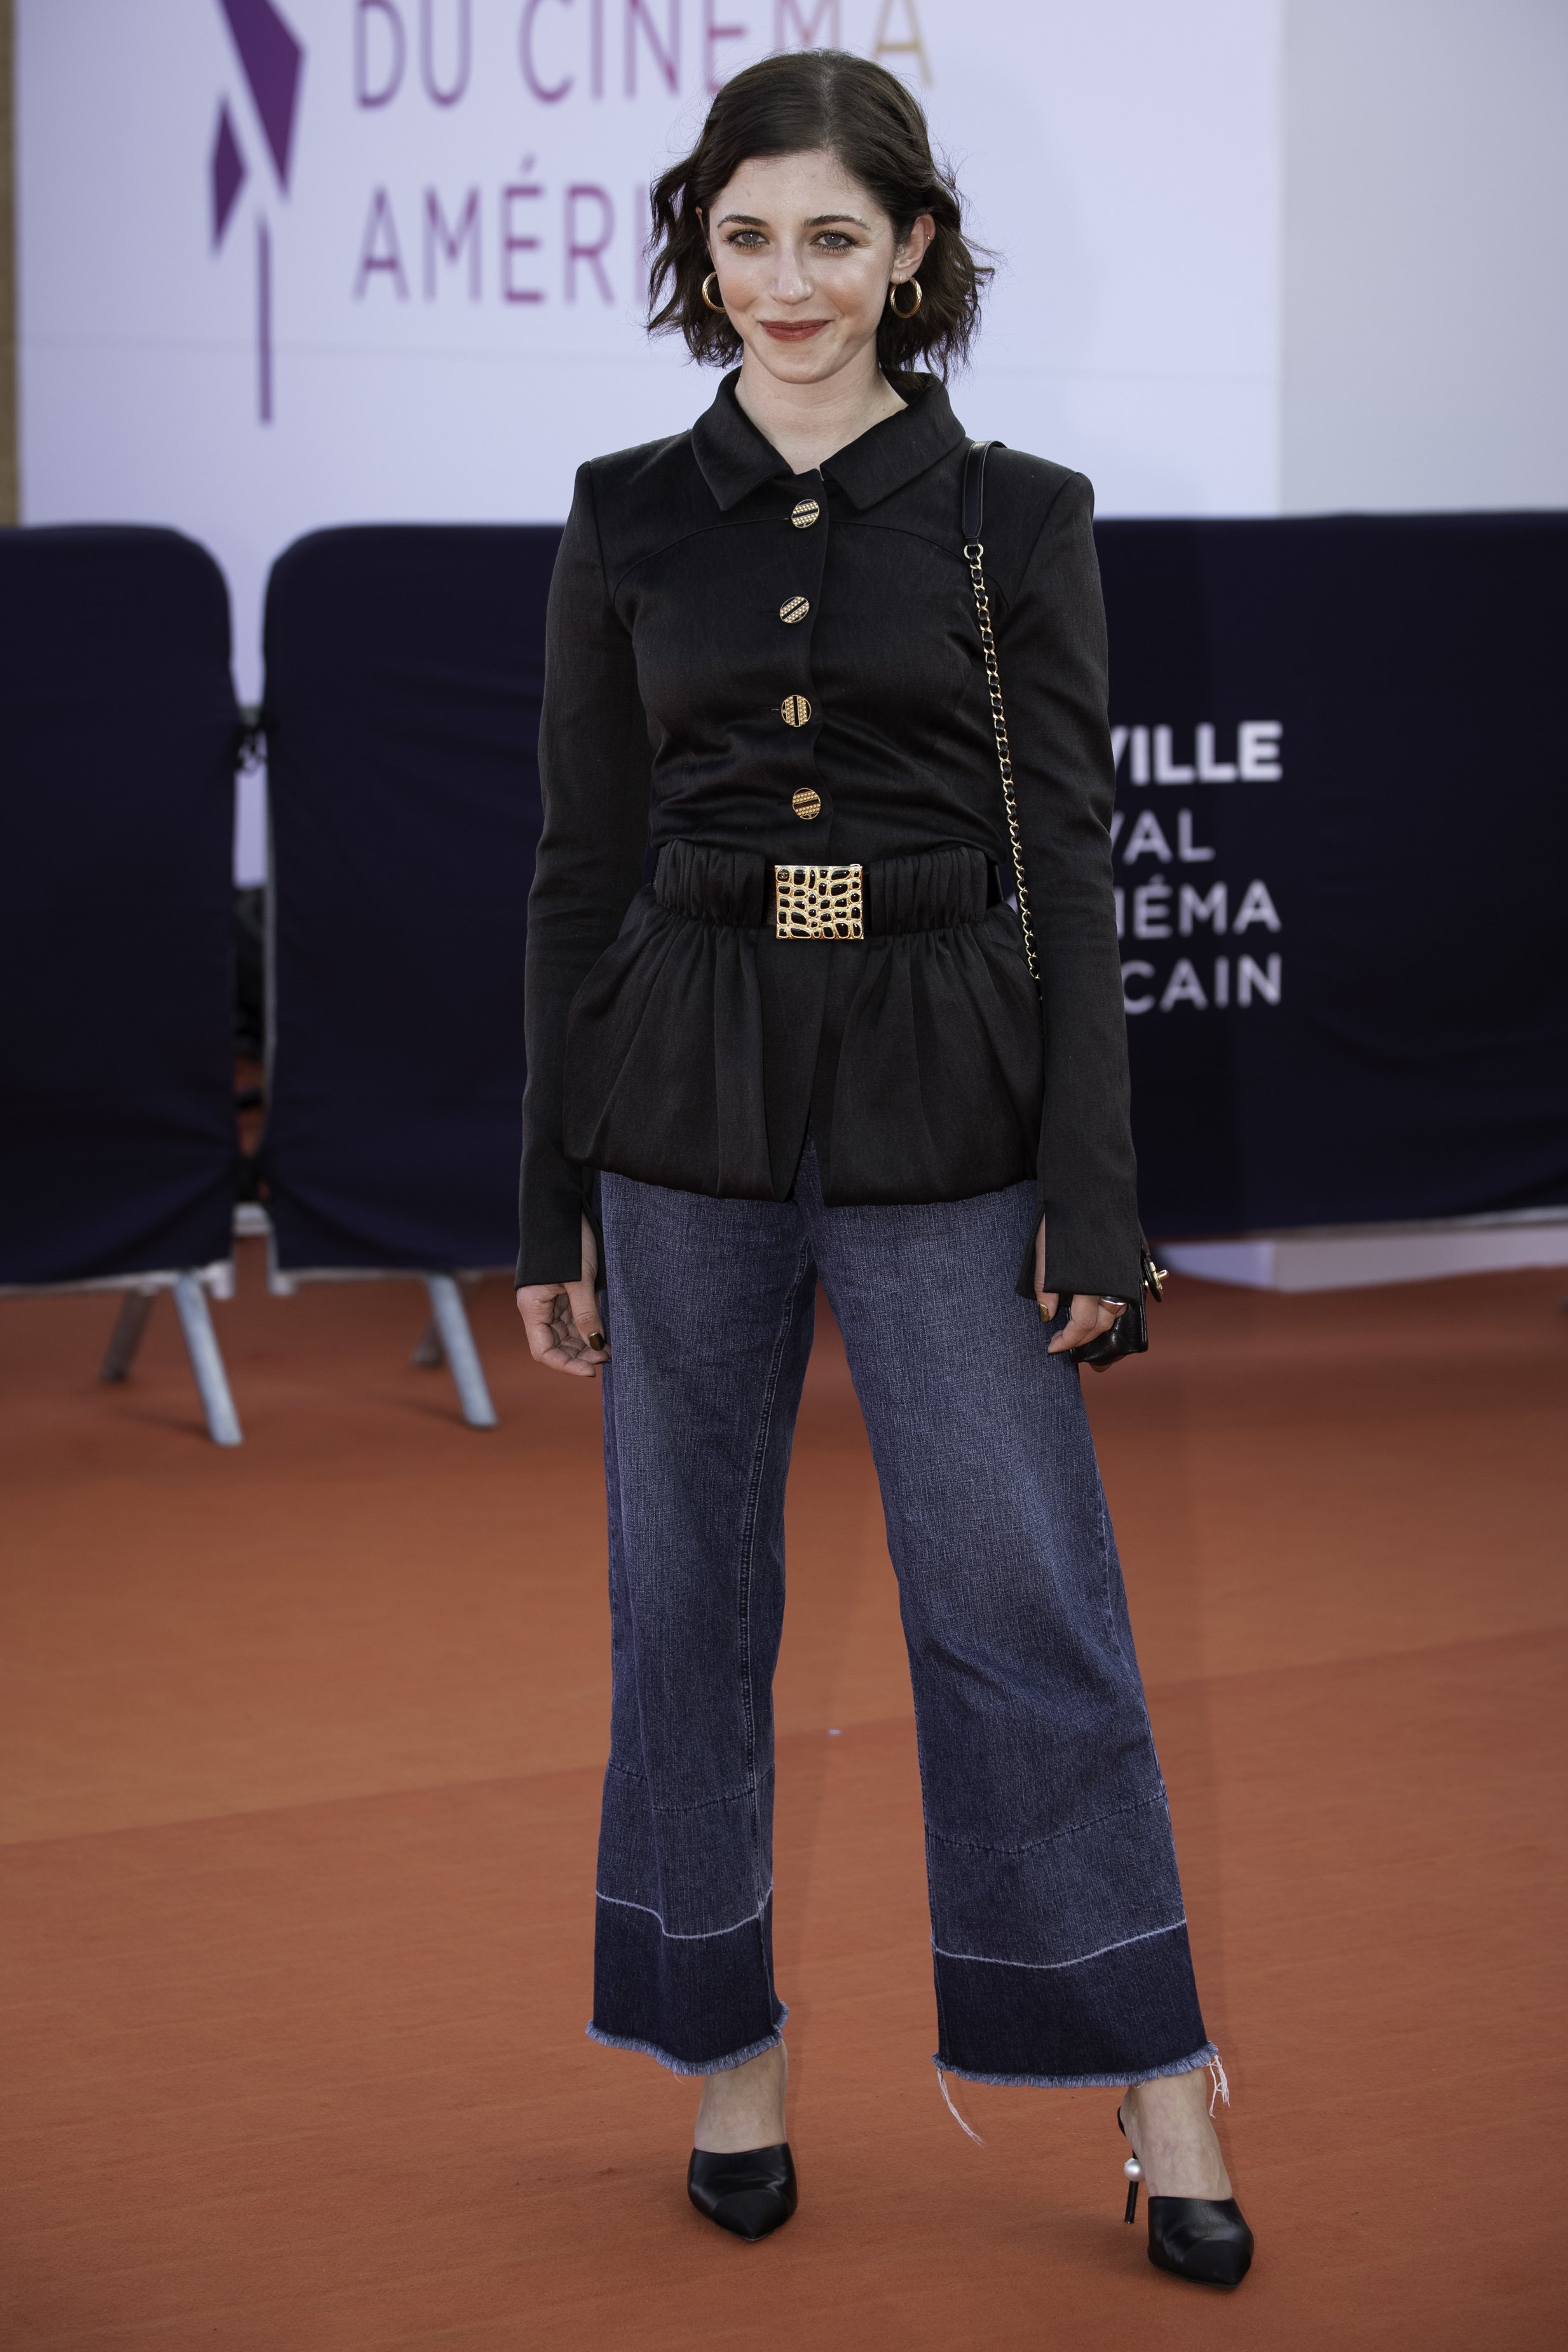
(712, 279)
(916, 287)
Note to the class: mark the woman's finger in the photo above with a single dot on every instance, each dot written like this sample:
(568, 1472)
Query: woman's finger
(587, 1321)
(1088, 1318)
(535, 1304)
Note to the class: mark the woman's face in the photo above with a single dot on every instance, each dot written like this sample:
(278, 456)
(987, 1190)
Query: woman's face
(804, 257)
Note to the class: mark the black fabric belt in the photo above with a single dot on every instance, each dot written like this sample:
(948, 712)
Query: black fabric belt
(926, 892)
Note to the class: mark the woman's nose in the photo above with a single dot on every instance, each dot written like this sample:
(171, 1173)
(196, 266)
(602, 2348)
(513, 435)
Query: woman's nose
(790, 283)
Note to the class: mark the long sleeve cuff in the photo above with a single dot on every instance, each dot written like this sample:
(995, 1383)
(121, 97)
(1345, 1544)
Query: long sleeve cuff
(552, 1199)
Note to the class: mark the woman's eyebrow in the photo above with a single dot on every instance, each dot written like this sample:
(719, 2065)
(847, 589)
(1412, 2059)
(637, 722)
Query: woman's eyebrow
(818, 220)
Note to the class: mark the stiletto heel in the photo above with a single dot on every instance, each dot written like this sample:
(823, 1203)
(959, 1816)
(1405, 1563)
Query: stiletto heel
(1201, 2238)
(1135, 2172)
(751, 2194)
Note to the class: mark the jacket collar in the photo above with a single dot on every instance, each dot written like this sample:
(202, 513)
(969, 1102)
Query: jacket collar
(735, 458)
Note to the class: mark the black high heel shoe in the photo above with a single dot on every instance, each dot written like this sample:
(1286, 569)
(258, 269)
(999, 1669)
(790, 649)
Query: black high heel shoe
(1202, 2238)
(752, 2193)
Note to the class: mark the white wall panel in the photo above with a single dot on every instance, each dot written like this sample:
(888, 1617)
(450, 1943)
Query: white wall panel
(1426, 297)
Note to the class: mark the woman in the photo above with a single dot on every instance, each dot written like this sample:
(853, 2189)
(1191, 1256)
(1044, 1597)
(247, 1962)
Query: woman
(809, 1046)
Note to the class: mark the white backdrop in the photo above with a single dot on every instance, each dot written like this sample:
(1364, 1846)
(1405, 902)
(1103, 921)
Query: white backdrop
(1425, 304)
(442, 216)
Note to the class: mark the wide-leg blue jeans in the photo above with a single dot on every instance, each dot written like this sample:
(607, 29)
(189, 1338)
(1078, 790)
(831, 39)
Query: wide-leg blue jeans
(1057, 1933)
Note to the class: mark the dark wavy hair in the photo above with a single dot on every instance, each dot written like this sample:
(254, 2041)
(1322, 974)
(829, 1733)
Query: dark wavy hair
(865, 118)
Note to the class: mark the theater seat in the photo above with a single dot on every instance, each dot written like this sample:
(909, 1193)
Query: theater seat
(118, 737)
(404, 668)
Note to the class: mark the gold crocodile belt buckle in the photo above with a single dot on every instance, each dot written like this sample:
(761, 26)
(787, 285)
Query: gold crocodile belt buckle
(818, 902)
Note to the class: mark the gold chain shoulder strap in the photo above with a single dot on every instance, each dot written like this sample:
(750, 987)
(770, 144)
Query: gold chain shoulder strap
(1129, 1335)
(973, 555)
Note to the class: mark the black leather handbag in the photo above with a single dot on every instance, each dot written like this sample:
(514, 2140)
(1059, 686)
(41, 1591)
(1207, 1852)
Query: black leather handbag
(1129, 1335)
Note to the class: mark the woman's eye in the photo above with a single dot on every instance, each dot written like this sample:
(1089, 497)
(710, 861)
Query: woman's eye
(834, 241)
(747, 239)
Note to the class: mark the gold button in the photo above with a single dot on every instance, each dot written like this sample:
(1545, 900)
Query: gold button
(794, 710)
(793, 609)
(804, 513)
(806, 803)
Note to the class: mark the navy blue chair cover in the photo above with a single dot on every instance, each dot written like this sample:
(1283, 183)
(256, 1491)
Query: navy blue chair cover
(1381, 1031)
(117, 733)
(404, 666)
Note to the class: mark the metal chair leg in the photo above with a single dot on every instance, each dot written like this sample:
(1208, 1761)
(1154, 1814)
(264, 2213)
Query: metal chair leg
(125, 1336)
(430, 1355)
(206, 1361)
(457, 1345)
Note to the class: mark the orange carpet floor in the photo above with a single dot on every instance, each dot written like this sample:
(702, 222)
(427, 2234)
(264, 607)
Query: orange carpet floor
(303, 1743)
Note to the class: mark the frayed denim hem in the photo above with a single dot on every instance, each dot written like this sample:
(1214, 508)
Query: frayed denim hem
(685, 2065)
(1203, 2057)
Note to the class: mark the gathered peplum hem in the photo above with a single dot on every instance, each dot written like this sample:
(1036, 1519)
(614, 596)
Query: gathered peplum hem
(915, 1054)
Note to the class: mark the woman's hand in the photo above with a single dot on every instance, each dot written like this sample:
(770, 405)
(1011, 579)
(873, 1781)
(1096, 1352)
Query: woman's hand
(561, 1318)
(1088, 1318)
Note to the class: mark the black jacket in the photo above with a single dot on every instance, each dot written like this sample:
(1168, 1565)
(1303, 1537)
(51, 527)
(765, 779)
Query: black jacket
(688, 722)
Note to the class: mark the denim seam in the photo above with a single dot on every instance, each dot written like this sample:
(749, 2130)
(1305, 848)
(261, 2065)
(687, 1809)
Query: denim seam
(1078, 2081)
(1038, 1845)
(984, 1960)
(1110, 1626)
(765, 1958)
(749, 1528)
(672, 1935)
(699, 1804)
(747, 1546)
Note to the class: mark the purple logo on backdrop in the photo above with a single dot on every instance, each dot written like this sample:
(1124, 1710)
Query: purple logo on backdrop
(272, 61)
